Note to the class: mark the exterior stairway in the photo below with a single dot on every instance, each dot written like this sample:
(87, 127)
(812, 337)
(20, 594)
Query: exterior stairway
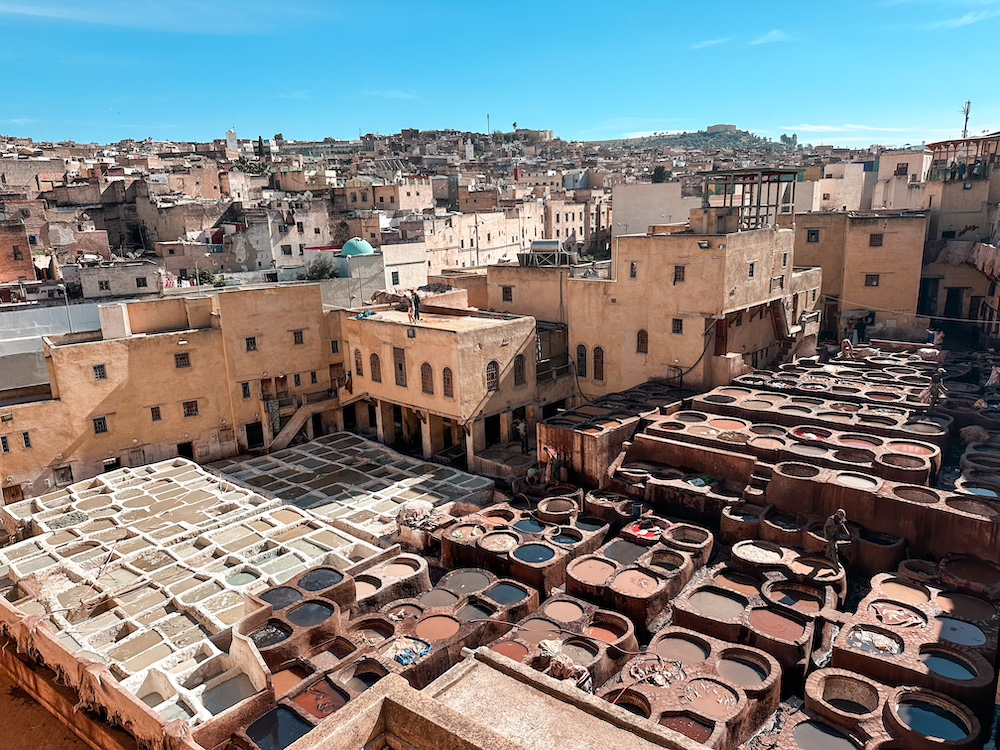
(312, 404)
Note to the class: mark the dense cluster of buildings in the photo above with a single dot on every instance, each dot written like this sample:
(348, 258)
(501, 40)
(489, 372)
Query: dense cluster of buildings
(247, 477)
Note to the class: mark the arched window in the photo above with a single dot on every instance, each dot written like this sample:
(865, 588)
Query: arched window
(598, 363)
(519, 369)
(358, 370)
(375, 366)
(492, 376)
(642, 342)
(581, 361)
(447, 383)
(426, 378)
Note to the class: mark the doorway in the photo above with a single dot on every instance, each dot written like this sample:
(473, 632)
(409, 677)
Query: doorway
(186, 450)
(317, 425)
(255, 436)
(12, 494)
(492, 425)
(953, 302)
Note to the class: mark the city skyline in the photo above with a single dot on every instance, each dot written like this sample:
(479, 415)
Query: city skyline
(182, 71)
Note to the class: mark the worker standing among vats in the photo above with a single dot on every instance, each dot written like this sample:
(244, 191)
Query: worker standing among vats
(835, 530)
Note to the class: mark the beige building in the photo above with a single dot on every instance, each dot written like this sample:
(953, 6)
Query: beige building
(901, 181)
(202, 377)
(871, 265)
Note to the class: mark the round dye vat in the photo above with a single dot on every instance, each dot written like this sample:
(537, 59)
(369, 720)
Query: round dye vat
(564, 611)
(873, 642)
(931, 720)
(534, 553)
(974, 571)
(277, 729)
(535, 630)
(913, 449)
(897, 615)
(687, 652)
(717, 605)
(499, 541)
(737, 582)
(510, 649)
(321, 699)
(689, 726)
(741, 670)
(319, 579)
(468, 531)
(437, 627)
(858, 443)
(605, 632)
(624, 551)
(529, 526)
(709, 698)
(362, 681)
(757, 553)
(593, 571)
(363, 588)
(374, 631)
(776, 625)
(728, 424)
(565, 538)
(956, 631)
(966, 607)
(756, 404)
(589, 524)
(635, 583)
(767, 443)
(807, 450)
(947, 665)
(269, 635)
(813, 567)
(406, 611)
(438, 598)
(473, 611)
(468, 582)
(797, 600)
(815, 735)
(309, 614)
(281, 597)
(399, 570)
(856, 481)
(242, 578)
(506, 594)
(581, 652)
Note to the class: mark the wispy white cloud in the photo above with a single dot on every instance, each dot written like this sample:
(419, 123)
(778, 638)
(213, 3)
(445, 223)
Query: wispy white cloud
(775, 35)
(965, 20)
(389, 94)
(303, 94)
(710, 43)
(219, 17)
(18, 121)
(847, 127)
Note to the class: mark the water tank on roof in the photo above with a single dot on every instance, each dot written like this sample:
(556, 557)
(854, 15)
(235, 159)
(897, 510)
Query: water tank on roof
(357, 246)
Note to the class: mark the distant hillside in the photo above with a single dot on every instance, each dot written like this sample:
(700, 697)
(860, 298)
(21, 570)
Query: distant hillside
(701, 139)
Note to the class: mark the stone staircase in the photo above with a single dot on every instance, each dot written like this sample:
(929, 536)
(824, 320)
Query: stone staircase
(756, 490)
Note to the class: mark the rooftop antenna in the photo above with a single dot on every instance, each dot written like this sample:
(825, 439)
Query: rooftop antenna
(487, 123)
(965, 111)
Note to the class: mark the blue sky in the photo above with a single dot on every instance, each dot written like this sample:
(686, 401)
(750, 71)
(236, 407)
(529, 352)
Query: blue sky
(850, 73)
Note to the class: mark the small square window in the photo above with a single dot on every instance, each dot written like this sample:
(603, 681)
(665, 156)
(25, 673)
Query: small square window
(299, 226)
(297, 379)
(871, 279)
(182, 359)
(315, 230)
(334, 347)
(141, 283)
(245, 389)
(750, 270)
(784, 260)
(26, 439)
(154, 413)
(190, 408)
(508, 293)
(104, 286)
(100, 372)
(100, 425)
(312, 377)
(875, 240)
(286, 249)
(395, 278)
(251, 343)
(633, 270)
(4, 444)
(298, 338)
(677, 325)
(812, 235)
(678, 274)
(62, 474)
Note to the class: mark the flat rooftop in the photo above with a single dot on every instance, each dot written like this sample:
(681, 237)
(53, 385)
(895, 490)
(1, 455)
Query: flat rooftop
(458, 320)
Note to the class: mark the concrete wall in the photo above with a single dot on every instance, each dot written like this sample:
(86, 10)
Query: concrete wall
(641, 204)
(22, 326)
